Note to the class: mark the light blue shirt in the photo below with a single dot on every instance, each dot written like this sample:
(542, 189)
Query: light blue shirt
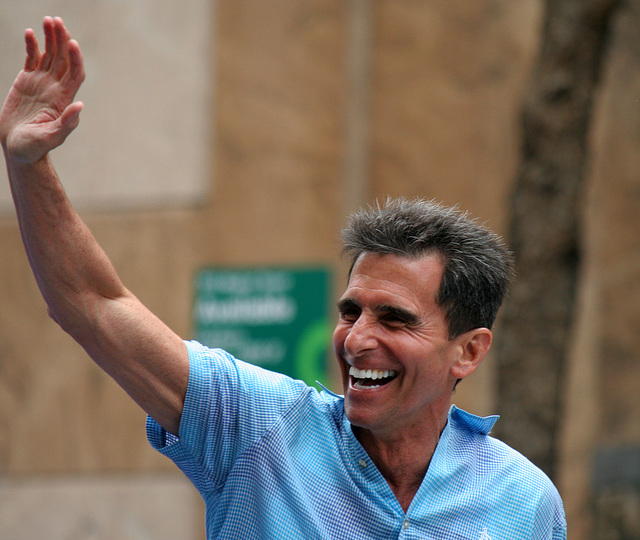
(276, 459)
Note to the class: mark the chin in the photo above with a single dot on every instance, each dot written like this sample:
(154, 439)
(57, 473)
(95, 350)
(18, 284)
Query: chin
(357, 417)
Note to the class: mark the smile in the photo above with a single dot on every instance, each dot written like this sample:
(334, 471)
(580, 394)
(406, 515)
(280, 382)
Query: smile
(370, 378)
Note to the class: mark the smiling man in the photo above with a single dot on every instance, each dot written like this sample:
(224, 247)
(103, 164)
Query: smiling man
(272, 457)
(424, 289)
(399, 365)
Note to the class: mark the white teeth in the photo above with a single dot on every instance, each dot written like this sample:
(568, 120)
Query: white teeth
(370, 373)
(361, 386)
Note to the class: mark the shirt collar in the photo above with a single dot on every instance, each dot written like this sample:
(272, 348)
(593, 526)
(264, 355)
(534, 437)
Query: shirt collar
(470, 422)
(323, 387)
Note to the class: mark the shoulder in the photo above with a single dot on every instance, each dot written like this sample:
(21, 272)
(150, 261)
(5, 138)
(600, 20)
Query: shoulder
(216, 374)
(223, 368)
(500, 464)
(504, 480)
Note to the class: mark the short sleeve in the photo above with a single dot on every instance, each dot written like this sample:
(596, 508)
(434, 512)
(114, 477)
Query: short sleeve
(229, 405)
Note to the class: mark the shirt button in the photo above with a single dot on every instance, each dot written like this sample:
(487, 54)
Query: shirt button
(405, 525)
(362, 463)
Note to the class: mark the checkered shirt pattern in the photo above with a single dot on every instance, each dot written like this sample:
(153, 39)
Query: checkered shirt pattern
(276, 459)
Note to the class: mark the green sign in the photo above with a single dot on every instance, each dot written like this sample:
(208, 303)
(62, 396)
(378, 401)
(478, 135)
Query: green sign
(275, 318)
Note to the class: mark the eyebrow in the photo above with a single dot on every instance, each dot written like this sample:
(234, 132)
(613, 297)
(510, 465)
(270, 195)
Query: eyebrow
(407, 316)
(346, 304)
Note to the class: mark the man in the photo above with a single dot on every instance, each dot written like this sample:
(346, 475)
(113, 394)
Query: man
(272, 457)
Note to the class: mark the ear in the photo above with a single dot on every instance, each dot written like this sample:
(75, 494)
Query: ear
(473, 347)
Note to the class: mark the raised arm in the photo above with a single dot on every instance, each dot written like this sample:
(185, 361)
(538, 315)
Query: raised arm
(80, 286)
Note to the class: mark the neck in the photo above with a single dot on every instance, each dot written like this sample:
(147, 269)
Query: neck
(403, 459)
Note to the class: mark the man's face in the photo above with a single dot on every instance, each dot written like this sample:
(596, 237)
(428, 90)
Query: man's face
(392, 344)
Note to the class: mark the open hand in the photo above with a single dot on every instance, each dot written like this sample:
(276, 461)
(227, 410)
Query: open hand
(39, 112)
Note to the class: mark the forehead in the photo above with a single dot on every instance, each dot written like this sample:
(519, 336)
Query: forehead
(414, 279)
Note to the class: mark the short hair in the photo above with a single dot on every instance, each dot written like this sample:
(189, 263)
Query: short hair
(478, 267)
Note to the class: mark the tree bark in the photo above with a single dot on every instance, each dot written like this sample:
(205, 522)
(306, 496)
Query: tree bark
(544, 230)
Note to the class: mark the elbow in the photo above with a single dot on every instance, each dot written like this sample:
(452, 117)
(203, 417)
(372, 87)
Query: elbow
(53, 316)
(68, 317)
(63, 322)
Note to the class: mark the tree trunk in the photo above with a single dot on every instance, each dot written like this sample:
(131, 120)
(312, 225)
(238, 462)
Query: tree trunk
(545, 226)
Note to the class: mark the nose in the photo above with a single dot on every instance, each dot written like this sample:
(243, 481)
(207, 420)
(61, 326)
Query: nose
(361, 337)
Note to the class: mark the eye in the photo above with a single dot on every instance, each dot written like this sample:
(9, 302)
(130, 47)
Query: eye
(349, 310)
(394, 321)
(349, 314)
(394, 317)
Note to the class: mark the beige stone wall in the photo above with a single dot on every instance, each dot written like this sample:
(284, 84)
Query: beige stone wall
(318, 106)
(602, 397)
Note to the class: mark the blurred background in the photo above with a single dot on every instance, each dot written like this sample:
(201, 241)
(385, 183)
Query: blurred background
(225, 134)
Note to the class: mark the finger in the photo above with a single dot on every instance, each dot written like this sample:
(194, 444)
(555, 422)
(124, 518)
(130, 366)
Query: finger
(33, 51)
(60, 60)
(76, 62)
(49, 43)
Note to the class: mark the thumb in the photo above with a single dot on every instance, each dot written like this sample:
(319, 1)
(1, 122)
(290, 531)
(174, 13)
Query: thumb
(70, 117)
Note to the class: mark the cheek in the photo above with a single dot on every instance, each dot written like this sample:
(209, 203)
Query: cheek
(339, 335)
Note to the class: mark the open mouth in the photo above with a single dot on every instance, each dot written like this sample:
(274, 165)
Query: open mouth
(370, 378)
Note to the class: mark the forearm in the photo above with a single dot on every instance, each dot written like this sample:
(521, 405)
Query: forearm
(71, 269)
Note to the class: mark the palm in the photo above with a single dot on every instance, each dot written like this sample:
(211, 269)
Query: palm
(39, 112)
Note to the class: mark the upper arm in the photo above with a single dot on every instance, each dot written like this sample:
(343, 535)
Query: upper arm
(142, 354)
